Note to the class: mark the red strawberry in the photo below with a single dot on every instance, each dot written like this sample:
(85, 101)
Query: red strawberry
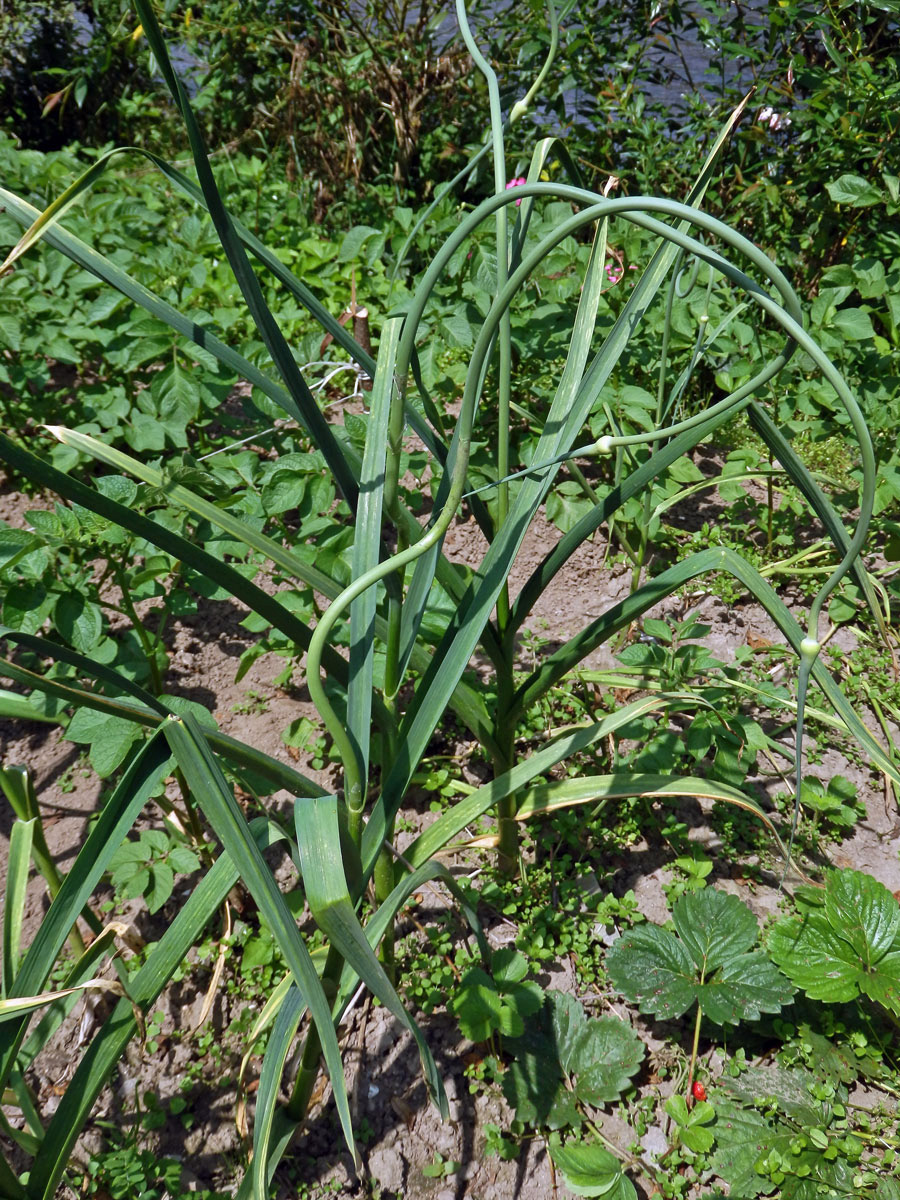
(698, 1091)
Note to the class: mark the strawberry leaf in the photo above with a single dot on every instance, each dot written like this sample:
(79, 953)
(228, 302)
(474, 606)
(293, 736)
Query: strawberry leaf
(592, 1171)
(847, 946)
(709, 963)
(564, 1058)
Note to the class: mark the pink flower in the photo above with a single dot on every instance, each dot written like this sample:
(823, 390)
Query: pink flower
(517, 182)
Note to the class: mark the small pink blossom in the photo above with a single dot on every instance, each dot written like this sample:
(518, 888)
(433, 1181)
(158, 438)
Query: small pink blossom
(517, 182)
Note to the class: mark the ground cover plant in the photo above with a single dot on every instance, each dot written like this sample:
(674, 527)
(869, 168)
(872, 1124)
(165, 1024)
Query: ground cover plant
(516, 372)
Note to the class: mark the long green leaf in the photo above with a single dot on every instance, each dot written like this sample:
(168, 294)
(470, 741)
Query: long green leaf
(214, 796)
(367, 546)
(466, 702)
(15, 707)
(303, 404)
(321, 862)
(109, 1044)
(187, 499)
(17, 865)
(451, 823)
(282, 1127)
(106, 675)
(145, 773)
(545, 798)
(279, 774)
(290, 1013)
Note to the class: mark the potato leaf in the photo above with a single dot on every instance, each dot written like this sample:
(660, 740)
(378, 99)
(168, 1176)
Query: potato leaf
(710, 963)
(850, 944)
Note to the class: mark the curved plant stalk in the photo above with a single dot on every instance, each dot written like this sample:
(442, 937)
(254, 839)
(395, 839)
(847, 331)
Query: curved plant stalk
(517, 111)
(564, 418)
(809, 646)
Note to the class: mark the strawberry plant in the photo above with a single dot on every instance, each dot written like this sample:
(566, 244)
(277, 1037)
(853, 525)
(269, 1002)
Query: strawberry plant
(566, 1063)
(589, 1170)
(708, 961)
(845, 942)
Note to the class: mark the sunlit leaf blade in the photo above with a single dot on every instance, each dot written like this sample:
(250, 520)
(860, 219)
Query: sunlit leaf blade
(290, 1013)
(18, 862)
(450, 824)
(218, 516)
(15, 707)
(27, 1004)
(145, 773)
(17, 785)
(214, 796)
(321, 862)
(109, 1043)
(367, 546)
(283, 1128)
